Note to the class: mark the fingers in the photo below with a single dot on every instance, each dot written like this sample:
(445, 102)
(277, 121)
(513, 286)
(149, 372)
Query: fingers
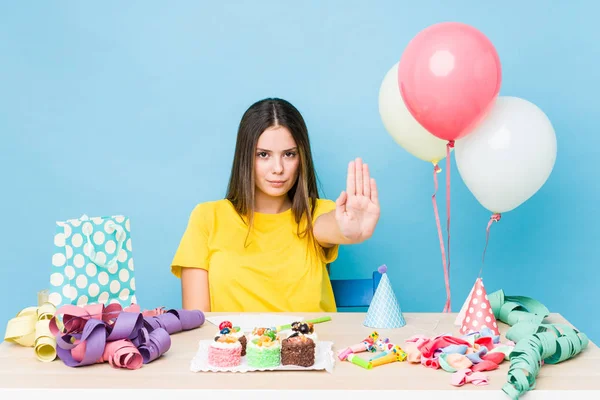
(340, 204)
(351, 180)
(358, 166)
(374, 193)
(366, 180)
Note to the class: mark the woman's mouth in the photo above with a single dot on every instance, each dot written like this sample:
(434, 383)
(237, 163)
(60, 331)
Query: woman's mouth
(276, 184)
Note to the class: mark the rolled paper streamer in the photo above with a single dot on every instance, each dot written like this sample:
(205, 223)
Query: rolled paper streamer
(356, 360)
(344, 353)
(21, 329)
(514, 309)
(526, 361)
(92, 342)
(142, 337)
(45, 343)
(159, 342)
(30, 328)
(155, 312)
(174, 321)
(126, 326)
(190, 319)
(122, 354)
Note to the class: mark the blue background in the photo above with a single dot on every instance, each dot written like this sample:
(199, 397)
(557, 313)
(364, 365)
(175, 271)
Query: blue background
(132, 108)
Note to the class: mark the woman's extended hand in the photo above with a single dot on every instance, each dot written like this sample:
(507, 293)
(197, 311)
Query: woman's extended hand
(357, 208)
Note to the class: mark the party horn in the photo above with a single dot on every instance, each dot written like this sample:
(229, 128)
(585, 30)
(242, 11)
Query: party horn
(395, 351)
(388, 358)
(356, 360)
(383, 344)
(365, 345)
(280, 328)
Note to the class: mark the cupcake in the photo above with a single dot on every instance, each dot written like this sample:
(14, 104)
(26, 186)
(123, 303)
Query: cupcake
(298, 349)
(258, 332)
(227, 328)
(225, 351)
(264, 349)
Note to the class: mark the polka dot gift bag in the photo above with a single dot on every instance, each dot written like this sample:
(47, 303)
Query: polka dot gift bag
(92, 262)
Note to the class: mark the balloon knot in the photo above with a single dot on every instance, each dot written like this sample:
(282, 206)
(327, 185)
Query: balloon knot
(495, 217)
(451, 144)
(436, 169)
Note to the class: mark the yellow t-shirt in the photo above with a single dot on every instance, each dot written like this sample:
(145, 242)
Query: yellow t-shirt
(277, 271)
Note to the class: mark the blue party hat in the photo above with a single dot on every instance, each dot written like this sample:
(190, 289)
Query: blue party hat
(384, 311)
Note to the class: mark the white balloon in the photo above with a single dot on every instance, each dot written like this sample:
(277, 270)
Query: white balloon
(509, 156)
(402, 126)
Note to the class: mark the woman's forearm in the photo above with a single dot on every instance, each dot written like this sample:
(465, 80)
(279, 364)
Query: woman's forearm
(327, 231)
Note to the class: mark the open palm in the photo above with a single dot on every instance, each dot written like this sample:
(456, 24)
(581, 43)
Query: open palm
(357, 208)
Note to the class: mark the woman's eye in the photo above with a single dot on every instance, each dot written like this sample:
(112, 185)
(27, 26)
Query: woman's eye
(290, 154)
(262, 154)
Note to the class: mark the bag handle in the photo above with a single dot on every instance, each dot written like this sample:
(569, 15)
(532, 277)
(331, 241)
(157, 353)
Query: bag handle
(119, 235)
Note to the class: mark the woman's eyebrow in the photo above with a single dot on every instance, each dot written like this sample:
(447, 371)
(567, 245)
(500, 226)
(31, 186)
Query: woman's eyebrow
(268, 151)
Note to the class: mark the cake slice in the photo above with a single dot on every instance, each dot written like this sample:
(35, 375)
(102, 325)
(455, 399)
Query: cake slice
(298, 349)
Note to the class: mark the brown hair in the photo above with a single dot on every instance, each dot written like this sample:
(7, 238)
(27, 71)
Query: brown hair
(264, 114)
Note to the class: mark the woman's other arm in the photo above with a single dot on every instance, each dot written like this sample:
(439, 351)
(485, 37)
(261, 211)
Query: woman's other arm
(194, 289)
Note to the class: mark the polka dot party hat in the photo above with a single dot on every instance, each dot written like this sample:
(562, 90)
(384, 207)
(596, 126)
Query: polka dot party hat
(479, 313)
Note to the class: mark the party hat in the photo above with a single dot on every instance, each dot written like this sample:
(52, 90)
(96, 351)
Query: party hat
(479, 313)
(384, 311)
(461, 315)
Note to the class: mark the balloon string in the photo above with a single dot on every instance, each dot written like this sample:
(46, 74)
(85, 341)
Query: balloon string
(449, 146)
(437, 170)
(494, 218)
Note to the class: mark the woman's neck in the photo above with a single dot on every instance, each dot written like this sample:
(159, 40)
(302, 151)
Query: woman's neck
(271, 205)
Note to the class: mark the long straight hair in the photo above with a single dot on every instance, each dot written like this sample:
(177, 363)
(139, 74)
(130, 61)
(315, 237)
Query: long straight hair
(262, 115)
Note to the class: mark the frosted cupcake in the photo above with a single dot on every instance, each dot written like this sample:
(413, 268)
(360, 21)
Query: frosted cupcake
(227, 328)
(263, 351)
(225, 351)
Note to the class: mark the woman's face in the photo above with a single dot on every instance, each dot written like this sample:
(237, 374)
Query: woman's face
(276, 162)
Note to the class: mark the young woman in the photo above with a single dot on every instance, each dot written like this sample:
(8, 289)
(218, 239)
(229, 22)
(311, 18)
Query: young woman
(266, 246)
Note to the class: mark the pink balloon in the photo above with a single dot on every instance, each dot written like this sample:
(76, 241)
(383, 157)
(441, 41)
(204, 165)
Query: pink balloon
(449, 77)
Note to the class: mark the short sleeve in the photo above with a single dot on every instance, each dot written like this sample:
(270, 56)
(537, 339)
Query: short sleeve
(324, 206)
(193, 247)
